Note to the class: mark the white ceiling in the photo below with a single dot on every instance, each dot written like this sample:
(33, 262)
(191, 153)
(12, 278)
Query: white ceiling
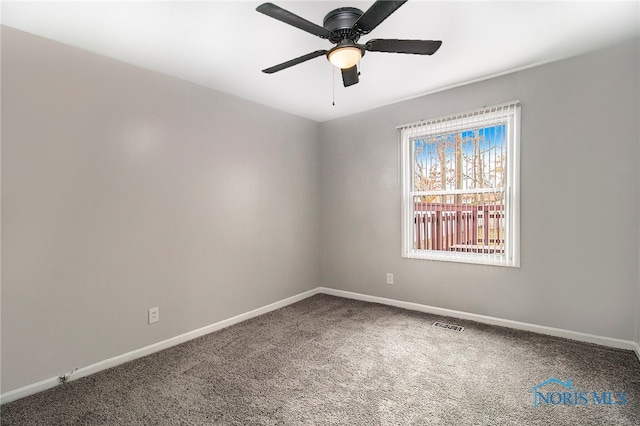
(225, 45)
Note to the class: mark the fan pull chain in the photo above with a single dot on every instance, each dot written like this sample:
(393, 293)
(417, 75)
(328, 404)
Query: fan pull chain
(333, 86)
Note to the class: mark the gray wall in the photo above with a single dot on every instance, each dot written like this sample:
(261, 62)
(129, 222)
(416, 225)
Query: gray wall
(124, 189)
(579, 188)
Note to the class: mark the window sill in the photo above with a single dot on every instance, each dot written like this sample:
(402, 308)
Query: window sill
(459, 257)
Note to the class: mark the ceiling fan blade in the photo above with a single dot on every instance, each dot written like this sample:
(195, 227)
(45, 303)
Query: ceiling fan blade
(378, 12)
(295, 61)
(287, 17)
(416, 47)
(350, 76)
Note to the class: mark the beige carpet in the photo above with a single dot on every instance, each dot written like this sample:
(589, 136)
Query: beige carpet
(334, 361)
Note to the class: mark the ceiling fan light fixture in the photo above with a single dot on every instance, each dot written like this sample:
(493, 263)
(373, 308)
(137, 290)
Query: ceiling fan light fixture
(345, 57)
(343, 27)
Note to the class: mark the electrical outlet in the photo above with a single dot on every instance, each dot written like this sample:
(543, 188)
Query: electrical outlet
(389, 278)
(154, 315)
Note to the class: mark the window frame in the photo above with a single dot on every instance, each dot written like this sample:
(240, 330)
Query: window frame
(460, 122)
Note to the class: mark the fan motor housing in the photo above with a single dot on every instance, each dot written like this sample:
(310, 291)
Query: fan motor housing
(340, 22)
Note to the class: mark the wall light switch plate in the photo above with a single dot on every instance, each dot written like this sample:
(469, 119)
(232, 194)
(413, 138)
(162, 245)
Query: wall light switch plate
(154, 315)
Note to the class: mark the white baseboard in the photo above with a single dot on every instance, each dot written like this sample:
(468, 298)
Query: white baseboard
(636, 348)
(550, 331)
(156, 347)
(148, 350)
(29, 390)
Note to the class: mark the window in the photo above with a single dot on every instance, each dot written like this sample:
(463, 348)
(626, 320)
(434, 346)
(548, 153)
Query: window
(460, 183)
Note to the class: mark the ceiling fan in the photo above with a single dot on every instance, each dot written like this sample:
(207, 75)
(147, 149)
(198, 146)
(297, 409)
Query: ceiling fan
(343, 27)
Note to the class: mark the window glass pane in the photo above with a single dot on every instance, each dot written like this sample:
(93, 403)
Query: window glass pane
(441, 222)
(469, 159)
